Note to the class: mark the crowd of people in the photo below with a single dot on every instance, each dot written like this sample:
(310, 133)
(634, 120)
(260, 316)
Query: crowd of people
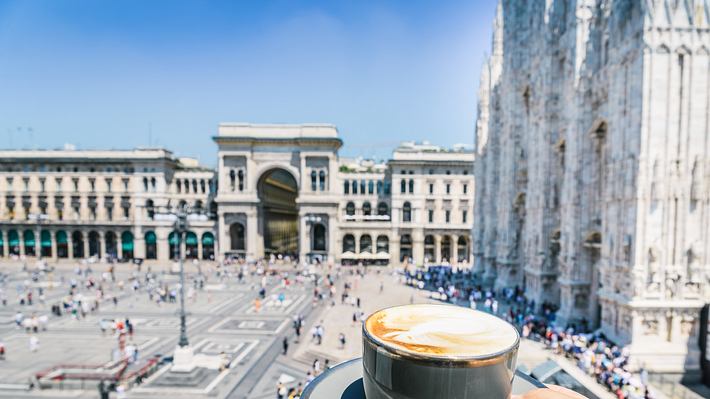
(591, 352)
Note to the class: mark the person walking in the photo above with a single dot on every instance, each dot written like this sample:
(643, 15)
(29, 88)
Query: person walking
(341, 338)
(285, 345)
(34, 343)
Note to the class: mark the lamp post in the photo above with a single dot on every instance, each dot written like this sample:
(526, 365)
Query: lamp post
(183, 356)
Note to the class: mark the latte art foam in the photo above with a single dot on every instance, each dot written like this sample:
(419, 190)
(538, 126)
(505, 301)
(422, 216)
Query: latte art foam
(442, 330)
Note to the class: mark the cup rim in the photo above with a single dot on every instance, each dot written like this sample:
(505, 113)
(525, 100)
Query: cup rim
(435, 358)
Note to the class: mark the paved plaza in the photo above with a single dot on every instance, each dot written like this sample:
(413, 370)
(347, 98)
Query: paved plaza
(224, 321)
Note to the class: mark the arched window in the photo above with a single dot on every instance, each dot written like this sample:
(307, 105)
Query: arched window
(407, 212)
(446, 248)
(462, 249)
(194, 186)
(350, 209)
(178, 185)
(321, 179)
(198, 205)
(29, 239)
(403, 186)
(187, 186)
(202, 186)
(362, 187)
(366, 243)
(127, 245)
(354, 184)
(174, 245)
(370, 187)
(77, 242)
(45, 243)
(236, 235)
(208, 246)
(366, 208)
(232, 180)
(383, 244)
(94, 245)
(379, 187)
(151, 245)
(62, 244)
(314, 182)
(411, 186)
(405, 247)
(150, 209)
(429, 248)
(349, 243)
(383, 209)
(318, 241)
(191, 245)
(13, 240)
(110, 243)
(153, 184)
(346, 187)
(145, 184)
(240, 175)
(182, 204)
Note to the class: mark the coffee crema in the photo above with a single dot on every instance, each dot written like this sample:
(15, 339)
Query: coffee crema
(441, 331)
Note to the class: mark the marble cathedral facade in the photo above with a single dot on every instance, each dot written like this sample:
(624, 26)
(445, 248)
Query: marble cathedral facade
(592, 169)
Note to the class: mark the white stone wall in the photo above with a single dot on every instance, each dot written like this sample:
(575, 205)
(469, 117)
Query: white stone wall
(591, 180)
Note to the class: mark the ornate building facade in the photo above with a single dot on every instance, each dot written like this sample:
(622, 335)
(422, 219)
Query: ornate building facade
(592, 166)
(278, 189)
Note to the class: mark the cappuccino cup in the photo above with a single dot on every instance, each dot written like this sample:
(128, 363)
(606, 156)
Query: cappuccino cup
(438, 351)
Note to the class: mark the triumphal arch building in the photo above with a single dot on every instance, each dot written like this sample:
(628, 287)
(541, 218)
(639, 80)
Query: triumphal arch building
(277, 191)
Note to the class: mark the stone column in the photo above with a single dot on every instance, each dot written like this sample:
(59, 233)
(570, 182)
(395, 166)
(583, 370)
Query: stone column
(70, 246)
(417, 248)
(394, 249)
(331, 245)
(5, 243)
(139, 244)
(102, 244)
(21, 237)
(161, 244)
(199, 247)
(38, 242)
(53, 237)
(86, 243)
(254, 240)
(437, 248)
(119, 246)
(454, 250)
(303, 237)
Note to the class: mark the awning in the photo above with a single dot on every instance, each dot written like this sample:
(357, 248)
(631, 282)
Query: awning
(173, 239)
(127, 241)
(13, 238)
(29, 238)
(382, 255)
(207, 239)
(348, 255)
(365, 255)
(150, 238)
(191, 239)
(45, 239)
(61, 237)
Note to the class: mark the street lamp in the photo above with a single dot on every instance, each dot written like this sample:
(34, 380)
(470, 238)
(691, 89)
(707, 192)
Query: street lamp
(180, 216)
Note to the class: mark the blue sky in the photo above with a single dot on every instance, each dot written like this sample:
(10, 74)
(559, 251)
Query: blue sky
(121, 74)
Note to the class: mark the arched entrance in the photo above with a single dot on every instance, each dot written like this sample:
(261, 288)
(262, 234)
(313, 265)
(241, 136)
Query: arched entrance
(77, 242)
(151, 245)
(279, 215)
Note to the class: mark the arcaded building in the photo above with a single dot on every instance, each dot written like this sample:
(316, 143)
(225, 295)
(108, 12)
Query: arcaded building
(277, 190)
(592, 166)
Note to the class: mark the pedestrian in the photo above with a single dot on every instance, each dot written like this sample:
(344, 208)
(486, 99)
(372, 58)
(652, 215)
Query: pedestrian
(34, 343)
(341, 338)
(281, 390)
(129, 327)
(316, 366)
(257, 305)
(358, 302)
(326, 365)
(285, 345)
